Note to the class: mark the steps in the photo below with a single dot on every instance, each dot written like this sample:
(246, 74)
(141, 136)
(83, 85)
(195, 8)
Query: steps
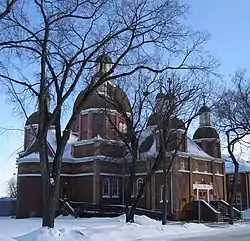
(223, 207)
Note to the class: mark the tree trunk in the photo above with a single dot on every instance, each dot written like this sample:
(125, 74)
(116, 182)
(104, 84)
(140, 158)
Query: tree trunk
(130, 214)
(232, 196)
(50, 202)
(230, 148)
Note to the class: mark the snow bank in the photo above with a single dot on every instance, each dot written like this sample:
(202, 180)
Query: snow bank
(46, 234)
(99, 229)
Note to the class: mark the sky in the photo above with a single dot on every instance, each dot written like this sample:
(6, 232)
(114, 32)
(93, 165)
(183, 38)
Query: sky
(226, 20)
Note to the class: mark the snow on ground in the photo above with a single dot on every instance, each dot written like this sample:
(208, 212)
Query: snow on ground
(99, 229)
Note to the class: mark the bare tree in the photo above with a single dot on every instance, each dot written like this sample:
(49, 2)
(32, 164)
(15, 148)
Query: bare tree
(12, 187)
(7, 7)
(233, 114)
(176, 97)
(49, 47)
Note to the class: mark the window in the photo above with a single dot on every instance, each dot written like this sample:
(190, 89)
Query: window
(106, 188)
(122, 127)
(196, 168)
(162, 193)
(182, 165)
(238, 198)
(33, 134)
(115, 188)
(205, 167)
(139, 184)
(217, 169)
(239, 179)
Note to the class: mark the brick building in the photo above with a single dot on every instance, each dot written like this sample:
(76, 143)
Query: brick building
(242, 194)
(93, 167)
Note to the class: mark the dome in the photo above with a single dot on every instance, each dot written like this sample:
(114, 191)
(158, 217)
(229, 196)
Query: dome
(34, 119)
(160, 96)
(175, 123)
(104, 58)
(169, 96)
(203, 109)
(116, 97)
(206, 132)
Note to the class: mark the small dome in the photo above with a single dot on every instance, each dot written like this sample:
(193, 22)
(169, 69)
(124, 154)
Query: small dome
(168, 96)
(175, 123)
(160, 96)
(116, 97)
(206, 132)
(104, 58)
(33, 119)
(203, 109)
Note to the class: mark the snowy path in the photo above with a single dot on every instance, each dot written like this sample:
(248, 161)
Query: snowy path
(232, 234)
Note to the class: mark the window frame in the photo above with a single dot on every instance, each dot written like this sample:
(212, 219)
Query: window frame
(105, 194)
(138, 181)
(115, 183)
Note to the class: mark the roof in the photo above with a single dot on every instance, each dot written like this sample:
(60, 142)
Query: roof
(206, 132)
(115, 99)
(147, 145)
(34, 119)
(33, 151)
(175, 123)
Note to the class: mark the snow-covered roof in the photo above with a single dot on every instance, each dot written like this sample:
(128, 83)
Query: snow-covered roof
(51, 140)
(149, 146)
(244, 163)
(194, 150)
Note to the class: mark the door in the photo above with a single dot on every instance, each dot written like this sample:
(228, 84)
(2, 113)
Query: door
(203, 195)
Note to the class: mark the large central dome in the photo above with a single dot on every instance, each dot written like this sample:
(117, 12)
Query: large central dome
(115, 99)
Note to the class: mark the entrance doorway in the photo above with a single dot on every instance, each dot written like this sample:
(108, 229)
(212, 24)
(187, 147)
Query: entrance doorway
(203, 195)
(65, 193)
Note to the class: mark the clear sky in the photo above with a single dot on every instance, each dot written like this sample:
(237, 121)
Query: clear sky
(226, 20)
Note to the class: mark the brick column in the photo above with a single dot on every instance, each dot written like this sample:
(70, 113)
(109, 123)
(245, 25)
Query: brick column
(96, 182)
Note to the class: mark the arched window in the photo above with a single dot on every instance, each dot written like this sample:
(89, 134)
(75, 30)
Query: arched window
(106, 188)
(139, 184)
(115, 188)
(182, 165)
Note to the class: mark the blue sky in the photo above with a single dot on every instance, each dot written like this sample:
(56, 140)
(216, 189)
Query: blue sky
(226, 20)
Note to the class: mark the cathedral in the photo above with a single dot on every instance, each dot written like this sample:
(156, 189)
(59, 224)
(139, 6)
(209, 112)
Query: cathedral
(93, 168)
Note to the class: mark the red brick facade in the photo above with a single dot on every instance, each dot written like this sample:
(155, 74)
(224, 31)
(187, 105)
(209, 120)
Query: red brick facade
(94, 169)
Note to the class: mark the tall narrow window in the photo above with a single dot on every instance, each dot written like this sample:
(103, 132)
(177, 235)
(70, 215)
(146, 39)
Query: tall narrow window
(205, 167)
(139, 184)
(115, 188)
(182, 165)
(106, 188)
(161, 193)
(33, 134)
